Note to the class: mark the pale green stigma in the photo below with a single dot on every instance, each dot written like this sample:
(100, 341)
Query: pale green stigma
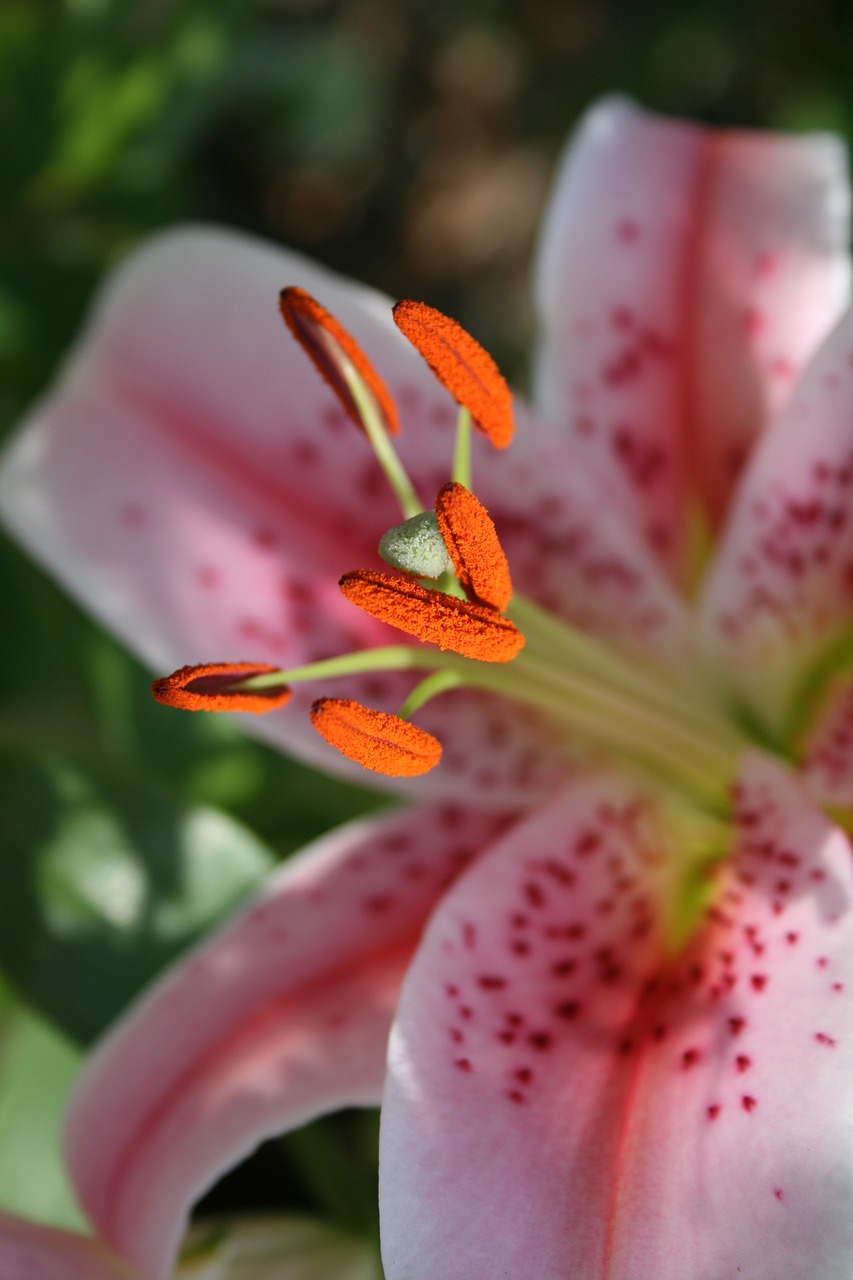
(417, 547)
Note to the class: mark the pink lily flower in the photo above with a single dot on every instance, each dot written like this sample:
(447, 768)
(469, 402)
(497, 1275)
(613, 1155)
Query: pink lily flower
(611, 935)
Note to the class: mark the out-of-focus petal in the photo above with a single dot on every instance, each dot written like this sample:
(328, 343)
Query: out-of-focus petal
(779, 597)
(827, 750)
(282, 1016)
(32, 1252)
(684, 277)
(618, 1115)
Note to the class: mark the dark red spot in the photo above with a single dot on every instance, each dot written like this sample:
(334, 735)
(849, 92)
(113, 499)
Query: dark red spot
(611, 974)
(569, 1010)
(379, 903)
(587, 844)
(736, 1025)
(534, 895)
(689, 1058)
(742, 1062)
(562, 968)
(713, 1111)
(748, 1102)
(208, 576)
(515, 1095)
(491, 982)
(520, 947)
(264, 538)
(523, 1075)
(540, 1040)
(758, 981)
(627, 231)
(133, 516)
(463, 1064)
(823, 1038)
(778, 1193)
(792, 938)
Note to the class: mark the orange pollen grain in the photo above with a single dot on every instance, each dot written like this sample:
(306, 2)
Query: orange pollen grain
(472, 544)
(209, 687)
(384, 743)
(328, 344)
(459, 362)
(472, 630)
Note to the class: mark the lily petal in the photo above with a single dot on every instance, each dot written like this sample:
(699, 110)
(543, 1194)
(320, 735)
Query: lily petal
(777, 606)
(827, 763)
(279, 1018)
(684, 277)
(197, 486)
(639, 1102)
(32, 1252)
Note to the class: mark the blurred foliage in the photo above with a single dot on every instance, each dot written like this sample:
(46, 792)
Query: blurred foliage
(37, 1065)
(406, 143)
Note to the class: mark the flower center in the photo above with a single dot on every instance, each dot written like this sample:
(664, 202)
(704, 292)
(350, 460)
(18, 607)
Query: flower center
(452, 591)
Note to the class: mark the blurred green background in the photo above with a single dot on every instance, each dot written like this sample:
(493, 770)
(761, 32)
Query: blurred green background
(406, 143)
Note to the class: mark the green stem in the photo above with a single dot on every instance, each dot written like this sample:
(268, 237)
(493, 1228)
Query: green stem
(393, 657)
(462, 452)
(590, 657)
(438, 682)
(386, 454)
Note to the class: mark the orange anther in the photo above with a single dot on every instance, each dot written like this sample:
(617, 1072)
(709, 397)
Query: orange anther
(473, 630)
(331, 348)
(473, 546)
(460, 363)
(210, 687)
(384, 743)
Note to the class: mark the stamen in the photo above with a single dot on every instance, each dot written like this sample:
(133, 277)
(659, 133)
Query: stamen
(212, 686)
(331, 348)
(459, 362)
(472, 542)
(375, 740)
(473, 630)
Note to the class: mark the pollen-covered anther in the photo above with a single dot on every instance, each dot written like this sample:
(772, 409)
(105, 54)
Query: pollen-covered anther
(472, 630)
(378, 741)
(473, 545)
(211, 687)
(336, 355)
(459, 362)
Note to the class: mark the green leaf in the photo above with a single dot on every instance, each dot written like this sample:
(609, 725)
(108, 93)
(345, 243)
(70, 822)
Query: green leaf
(37, 1066)
(103, 880)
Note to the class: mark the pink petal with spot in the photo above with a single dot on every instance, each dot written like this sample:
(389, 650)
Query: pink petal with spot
(779, 596)
(31, 1252)
(683, 277)
(619, 1116)
(827, 762)
(279, 1018)
(195, 484)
